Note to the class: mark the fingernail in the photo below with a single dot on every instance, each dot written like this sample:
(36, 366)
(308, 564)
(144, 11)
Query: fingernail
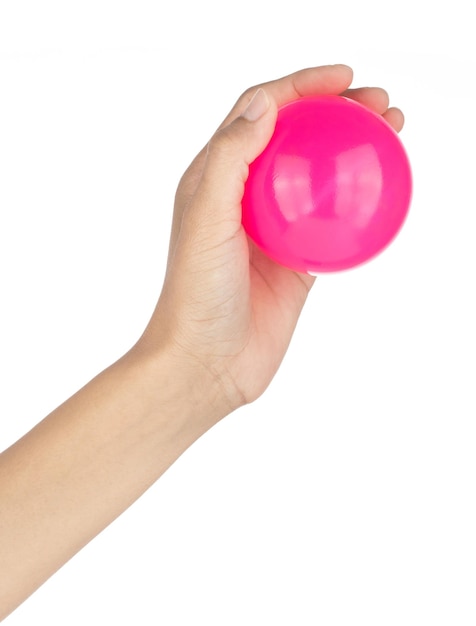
(257, 106)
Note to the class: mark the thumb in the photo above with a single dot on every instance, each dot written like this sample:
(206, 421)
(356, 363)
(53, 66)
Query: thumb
(229, 153)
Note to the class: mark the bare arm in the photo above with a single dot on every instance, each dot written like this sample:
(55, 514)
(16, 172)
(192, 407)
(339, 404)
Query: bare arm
(83, 465)
(221, 327)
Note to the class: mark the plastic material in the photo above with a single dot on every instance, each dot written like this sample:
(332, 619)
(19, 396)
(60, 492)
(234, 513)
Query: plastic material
(332, 188)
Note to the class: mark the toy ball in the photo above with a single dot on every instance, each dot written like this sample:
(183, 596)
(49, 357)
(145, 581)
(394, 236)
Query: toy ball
(332, 188)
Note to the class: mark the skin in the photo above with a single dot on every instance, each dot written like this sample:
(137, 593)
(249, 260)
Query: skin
(221, 327)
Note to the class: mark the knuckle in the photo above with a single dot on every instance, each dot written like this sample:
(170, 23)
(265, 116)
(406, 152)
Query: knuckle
(223, 141)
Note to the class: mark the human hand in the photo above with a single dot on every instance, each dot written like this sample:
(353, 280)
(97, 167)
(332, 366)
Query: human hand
(226, 308)
(219, 332)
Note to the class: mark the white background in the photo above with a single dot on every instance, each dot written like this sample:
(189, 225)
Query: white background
(346, 494)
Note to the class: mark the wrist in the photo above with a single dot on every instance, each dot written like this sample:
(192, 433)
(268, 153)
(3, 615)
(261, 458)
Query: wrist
(180, 389)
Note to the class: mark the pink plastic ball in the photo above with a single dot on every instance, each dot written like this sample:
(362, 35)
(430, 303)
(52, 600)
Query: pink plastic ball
(331, 189)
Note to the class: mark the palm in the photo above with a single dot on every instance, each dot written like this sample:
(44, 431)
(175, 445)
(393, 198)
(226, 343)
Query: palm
(277, 296)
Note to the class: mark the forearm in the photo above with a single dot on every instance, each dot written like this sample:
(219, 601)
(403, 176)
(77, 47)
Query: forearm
(84, 464)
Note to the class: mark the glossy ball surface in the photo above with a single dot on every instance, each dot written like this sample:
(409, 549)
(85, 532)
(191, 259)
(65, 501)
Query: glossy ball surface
(332, 188)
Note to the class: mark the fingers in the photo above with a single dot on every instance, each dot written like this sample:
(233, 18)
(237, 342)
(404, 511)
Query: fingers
(376, 99)
(229, 153)
(220, 169)
(331, 79)
(395, 118)
(327, 79)
(226, 158)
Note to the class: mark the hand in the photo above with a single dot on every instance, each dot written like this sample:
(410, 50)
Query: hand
(219, 332)
(225, 306)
